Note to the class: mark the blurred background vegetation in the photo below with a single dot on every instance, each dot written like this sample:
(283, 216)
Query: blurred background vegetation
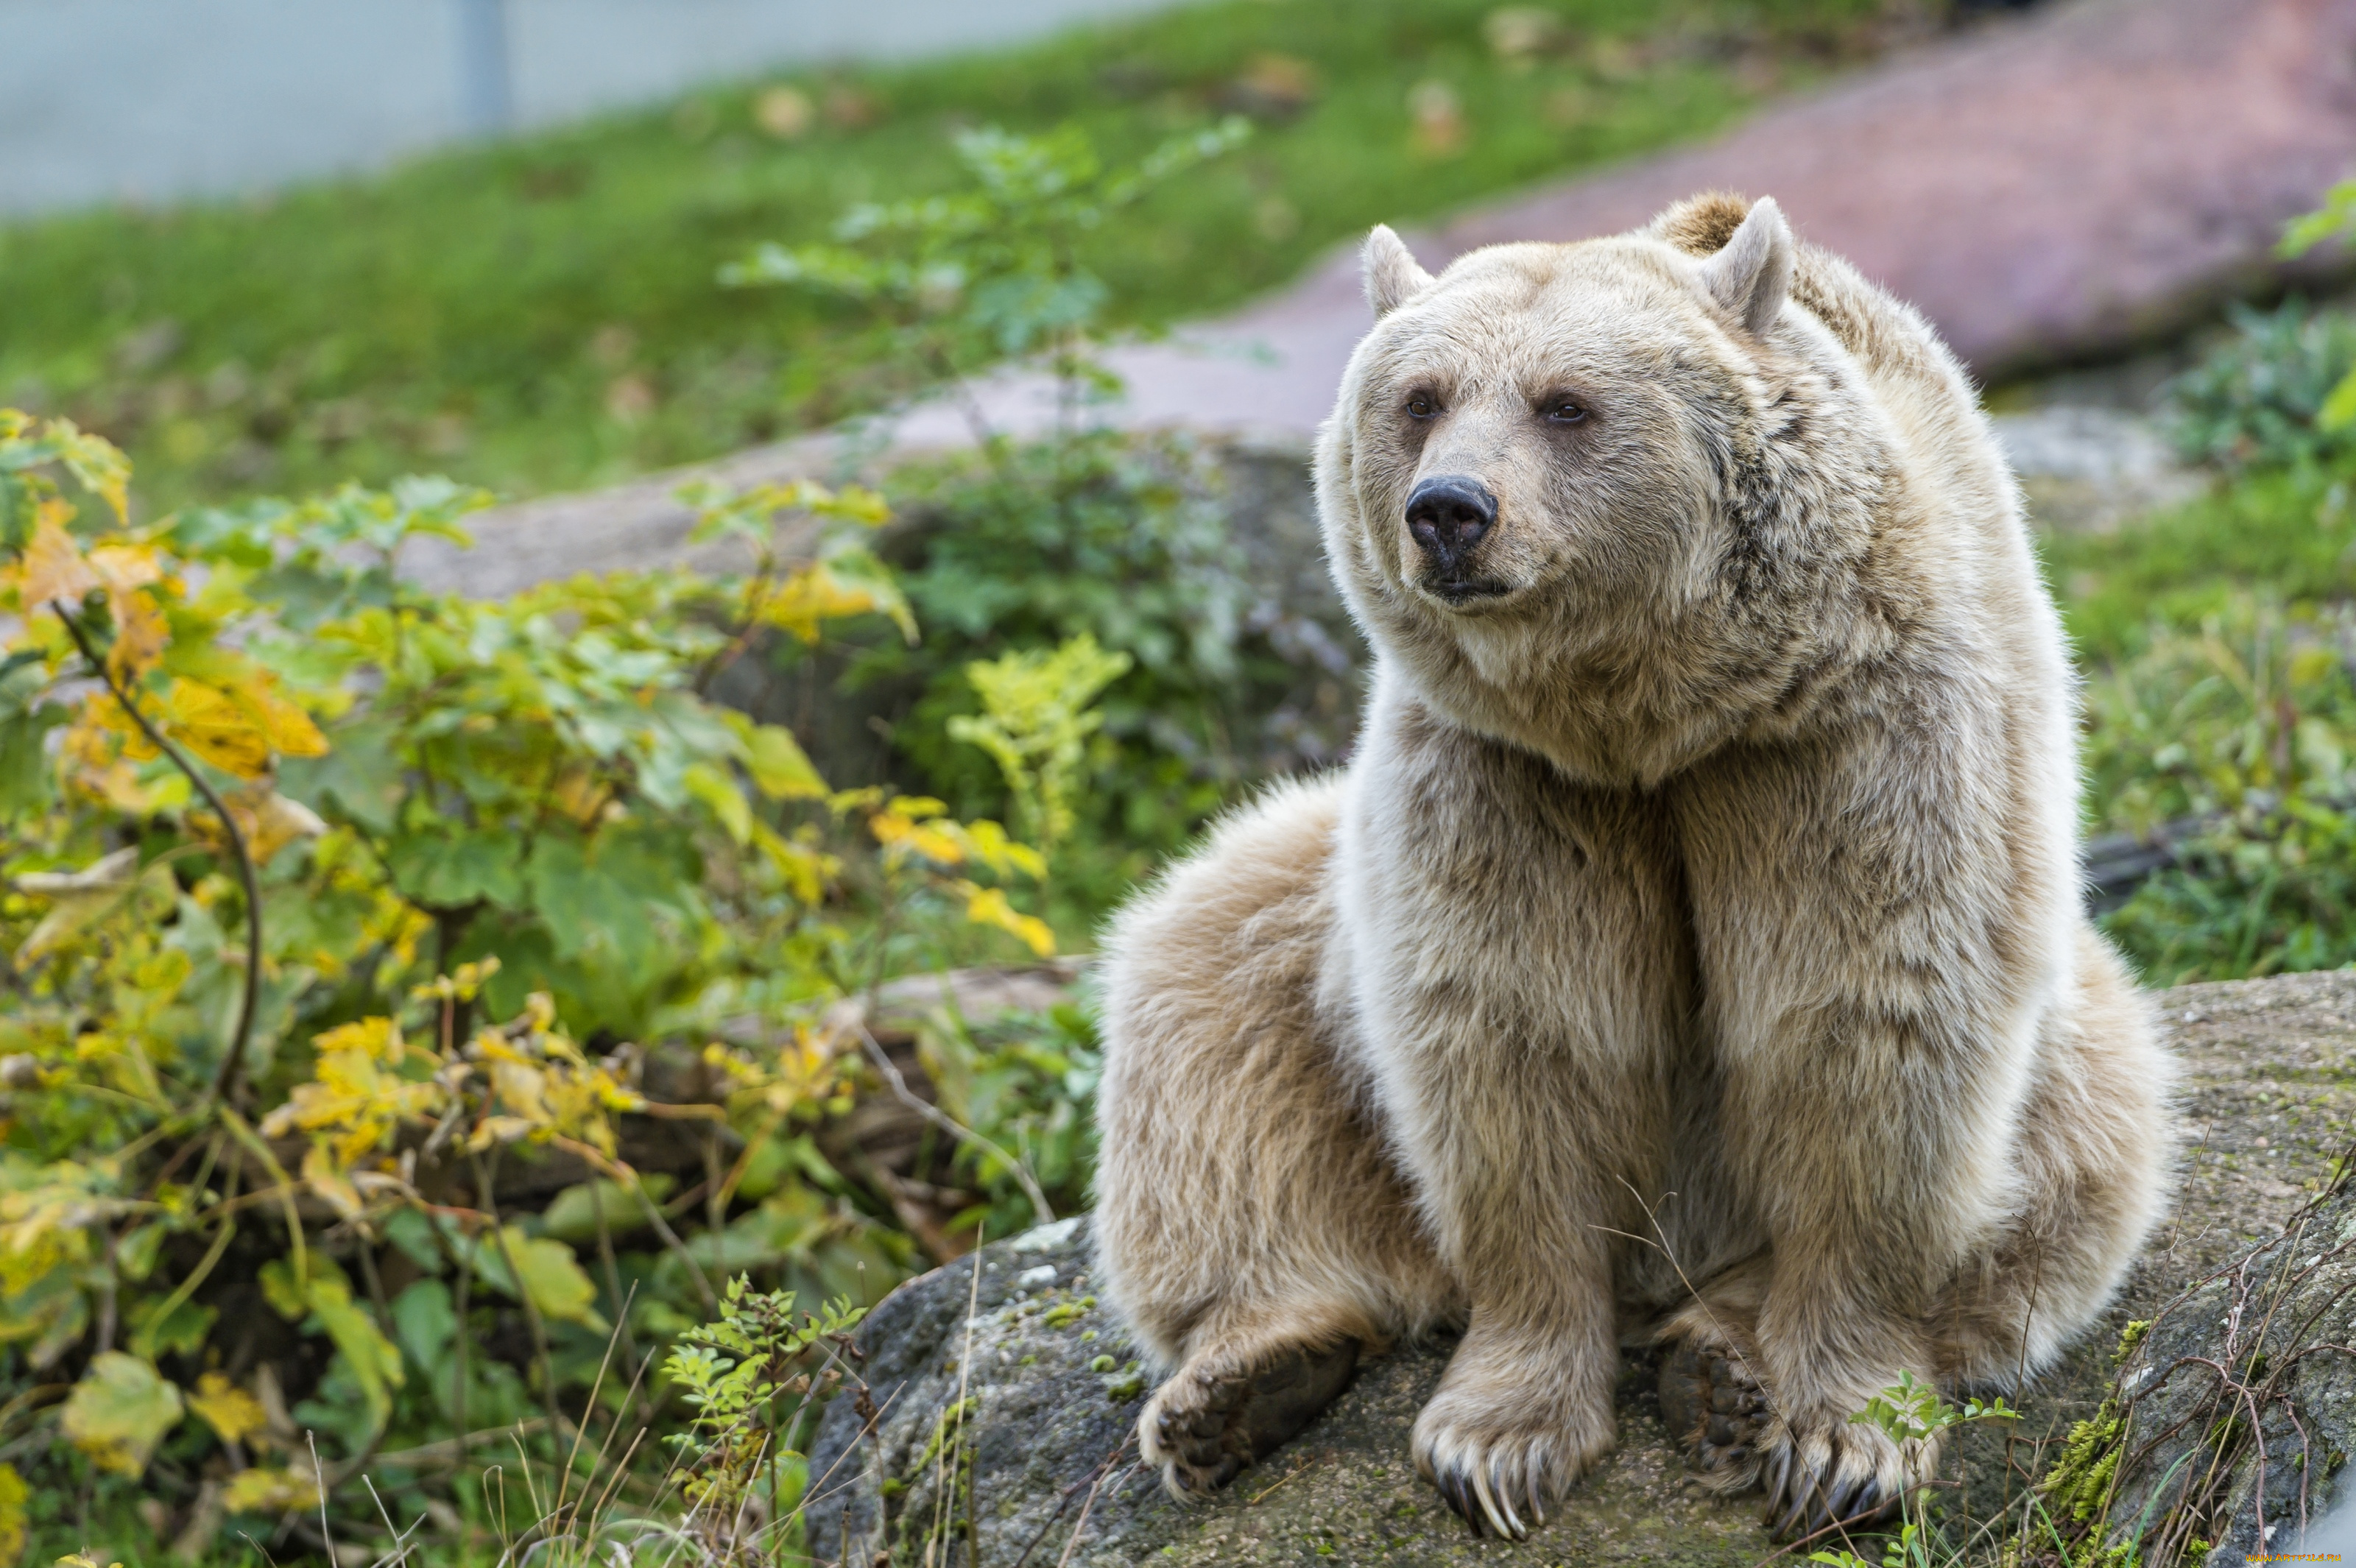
(589, 919)
(540, 314)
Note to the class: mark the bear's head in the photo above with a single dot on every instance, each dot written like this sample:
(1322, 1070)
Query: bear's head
(1572, 477)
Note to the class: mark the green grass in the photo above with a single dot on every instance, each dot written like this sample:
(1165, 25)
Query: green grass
(542, 313)
(2288, 534)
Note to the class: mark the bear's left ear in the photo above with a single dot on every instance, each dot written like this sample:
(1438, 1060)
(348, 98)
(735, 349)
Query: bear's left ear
(1392, 273)
(1753, 272)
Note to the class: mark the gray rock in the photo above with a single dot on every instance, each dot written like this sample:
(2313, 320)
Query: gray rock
(1044, 1472)
(2087, 469)
(2233, 1420)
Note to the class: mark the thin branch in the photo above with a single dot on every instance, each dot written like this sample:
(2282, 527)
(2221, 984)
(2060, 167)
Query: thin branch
(225, 1081)
(951, 1126)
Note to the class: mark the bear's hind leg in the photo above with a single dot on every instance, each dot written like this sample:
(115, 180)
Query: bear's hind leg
(1251, 1231)
(1250, 1388)
(2096, 1141)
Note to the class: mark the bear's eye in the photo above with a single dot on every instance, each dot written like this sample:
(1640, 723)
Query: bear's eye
(1565, 411)
(1421, 405)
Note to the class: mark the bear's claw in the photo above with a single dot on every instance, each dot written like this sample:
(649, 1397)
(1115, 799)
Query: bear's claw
(1480, 1491)
(1853, 1481)
(1204, 1424)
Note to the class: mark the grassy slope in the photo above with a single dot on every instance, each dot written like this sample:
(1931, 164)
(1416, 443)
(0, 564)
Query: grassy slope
(487, 311)
(2289, 534)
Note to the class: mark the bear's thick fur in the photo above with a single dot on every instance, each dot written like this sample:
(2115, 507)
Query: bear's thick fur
(1692, 951)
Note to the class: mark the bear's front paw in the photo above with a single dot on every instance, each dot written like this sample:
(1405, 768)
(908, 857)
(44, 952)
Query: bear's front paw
(1825, 1473)
(1495, 1458)
(1222, 1410)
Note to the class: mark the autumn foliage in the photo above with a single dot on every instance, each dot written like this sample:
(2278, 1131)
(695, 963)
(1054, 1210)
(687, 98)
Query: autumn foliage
(365, 949)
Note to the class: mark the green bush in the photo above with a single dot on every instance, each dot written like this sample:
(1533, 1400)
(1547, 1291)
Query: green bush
(2256, 401)
(413, 1003)
(2247, 730)
(1130, 541)
(1123, 539)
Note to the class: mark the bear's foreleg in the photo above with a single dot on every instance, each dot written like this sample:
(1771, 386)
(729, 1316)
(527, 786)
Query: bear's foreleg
(1884, 933)
(1521, 982)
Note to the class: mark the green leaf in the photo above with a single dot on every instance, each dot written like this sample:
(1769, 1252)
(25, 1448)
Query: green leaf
(855, 565)
(77, 899)
(2336, 217)
(450, 871)
(607, 904)
(780, 769)
(572, 1216)
(359, 778)
(374, 1360)
(24, 770)
(289, 1295)
(551, 1274)
(716, 790)
(181, 1333)
(120, 1410)
(427, 1323)
(2339, 410)
(580, 905)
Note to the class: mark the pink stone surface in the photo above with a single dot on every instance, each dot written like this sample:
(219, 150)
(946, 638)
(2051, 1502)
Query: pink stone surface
(2050, 188)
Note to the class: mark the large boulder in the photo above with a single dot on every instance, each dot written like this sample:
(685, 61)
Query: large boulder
(1002, 1399)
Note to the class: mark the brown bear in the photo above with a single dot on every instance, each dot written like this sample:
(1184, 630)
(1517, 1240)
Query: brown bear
(1692, 951)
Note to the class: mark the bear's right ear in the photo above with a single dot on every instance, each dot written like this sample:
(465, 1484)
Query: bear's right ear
(1393, 274)
(1753, 272)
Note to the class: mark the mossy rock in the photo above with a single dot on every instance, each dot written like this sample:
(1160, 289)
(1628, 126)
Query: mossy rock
(1045, 1440)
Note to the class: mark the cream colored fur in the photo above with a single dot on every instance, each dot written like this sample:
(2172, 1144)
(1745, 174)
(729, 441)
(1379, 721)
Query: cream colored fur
(1709, 879)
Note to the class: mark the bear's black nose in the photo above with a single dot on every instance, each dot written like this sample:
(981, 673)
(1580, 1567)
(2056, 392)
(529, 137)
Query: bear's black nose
(1448, 516)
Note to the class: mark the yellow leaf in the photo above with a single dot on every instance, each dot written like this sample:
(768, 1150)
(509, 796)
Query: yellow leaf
(53, 566)
(896, 833)
(238, 730)
(15, 1523)
(988, 906)
(780, 769)
(325, 1178)
(139, 636)
(581, 795)
(270, 1491)
(806, 870)
(287, 728)
(852, 503)
(119, 1412)
(812, 595)
(274, 821)
(1002, 852)
(357, 1094)
(125, 567)
(227, 1409)
(217, 728)
(496, 1130)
